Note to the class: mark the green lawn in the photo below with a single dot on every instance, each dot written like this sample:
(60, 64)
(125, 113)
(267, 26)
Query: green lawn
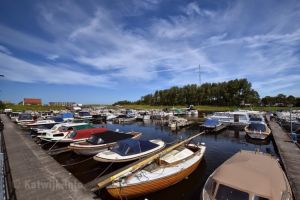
(34, 107)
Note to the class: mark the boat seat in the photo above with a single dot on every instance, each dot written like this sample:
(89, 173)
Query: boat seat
(175, 156)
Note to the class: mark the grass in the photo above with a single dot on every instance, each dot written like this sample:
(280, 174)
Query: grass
(16, 108)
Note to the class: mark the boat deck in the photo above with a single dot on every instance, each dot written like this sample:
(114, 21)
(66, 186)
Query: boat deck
(35, 174)
(290, 156)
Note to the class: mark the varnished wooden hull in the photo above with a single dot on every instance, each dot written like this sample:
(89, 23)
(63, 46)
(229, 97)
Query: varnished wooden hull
(258, 135)
(151, 186)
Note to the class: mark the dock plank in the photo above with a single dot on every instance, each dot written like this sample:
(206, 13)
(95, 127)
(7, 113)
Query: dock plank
(290, 156)
(35, 174)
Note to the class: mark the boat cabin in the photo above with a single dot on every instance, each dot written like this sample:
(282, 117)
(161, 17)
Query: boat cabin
(248, 176)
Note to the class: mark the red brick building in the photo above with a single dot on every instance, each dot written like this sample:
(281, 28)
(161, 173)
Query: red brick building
(31, 101)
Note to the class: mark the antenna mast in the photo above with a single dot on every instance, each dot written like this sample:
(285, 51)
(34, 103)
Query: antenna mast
(199, 75)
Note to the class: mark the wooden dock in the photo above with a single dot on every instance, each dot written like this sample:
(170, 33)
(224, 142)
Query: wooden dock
(35, 174)
(290, 156)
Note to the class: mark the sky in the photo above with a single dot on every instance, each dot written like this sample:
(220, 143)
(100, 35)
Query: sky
(104, 51)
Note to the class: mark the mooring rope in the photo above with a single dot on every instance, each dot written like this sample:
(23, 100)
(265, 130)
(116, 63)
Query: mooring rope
(105, 169)
(77, 162)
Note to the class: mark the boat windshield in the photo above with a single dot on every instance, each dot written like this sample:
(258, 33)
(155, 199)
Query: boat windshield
(84, 114)
(257, 127)
(72, 134)
(55, 127)
(260, 198)
(94, 139)
(256, 119)
(25, 117)
(224, 193)
(210, 187)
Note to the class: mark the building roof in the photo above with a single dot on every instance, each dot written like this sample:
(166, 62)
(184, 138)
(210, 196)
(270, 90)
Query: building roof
(32, 101)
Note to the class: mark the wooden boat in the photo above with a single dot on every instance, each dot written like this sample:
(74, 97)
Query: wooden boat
(161, 173)
(101, 141)
(128, 150)
(248, 175)
(258, 130)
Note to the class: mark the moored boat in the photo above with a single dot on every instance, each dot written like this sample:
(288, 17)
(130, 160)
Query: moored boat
(258, 130)
(248, 175)
(102, 141)
(128, 150)
(210, 123)
(163, 172)
(60, 131)
(79, 135)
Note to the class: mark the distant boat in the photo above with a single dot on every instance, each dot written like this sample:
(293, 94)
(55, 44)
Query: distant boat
(84, 115)
(128, 150)
(248, 175)
(237, 118)
(210, 123)
(24, 119)
(163, 172)
(258, 130)
(46, 123)
(101, 141)
(62, 131)
(79, 135)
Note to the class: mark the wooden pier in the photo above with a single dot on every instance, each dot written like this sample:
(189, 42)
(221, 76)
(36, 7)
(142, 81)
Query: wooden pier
(35, 174)
(290, 156)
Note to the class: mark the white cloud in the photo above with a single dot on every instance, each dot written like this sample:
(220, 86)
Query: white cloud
(21, 71)
(5, 50)
(53, 57)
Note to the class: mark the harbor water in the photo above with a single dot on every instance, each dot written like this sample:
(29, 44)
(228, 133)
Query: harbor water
(220, 146)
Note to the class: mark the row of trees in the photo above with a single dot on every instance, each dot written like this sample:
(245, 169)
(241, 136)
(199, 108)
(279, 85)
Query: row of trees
(281, 100)
(231, 93)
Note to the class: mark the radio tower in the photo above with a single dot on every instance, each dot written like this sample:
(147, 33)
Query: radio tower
(199, 75)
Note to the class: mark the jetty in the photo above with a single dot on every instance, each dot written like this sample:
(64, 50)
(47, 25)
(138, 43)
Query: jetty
(290, 155)
(35, 174)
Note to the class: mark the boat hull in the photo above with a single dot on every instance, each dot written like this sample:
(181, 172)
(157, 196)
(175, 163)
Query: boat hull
(258, 136)
(151, 186)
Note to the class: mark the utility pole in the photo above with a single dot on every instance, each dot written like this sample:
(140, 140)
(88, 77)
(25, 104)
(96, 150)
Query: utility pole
(199, 75)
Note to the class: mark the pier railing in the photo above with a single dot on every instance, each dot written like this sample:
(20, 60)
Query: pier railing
(7, 189)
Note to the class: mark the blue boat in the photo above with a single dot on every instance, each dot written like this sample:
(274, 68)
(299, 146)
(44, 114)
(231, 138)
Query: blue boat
(211, 123)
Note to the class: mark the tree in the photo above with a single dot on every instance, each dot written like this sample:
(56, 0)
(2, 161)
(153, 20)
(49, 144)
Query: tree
(291, 100)
(2, 105)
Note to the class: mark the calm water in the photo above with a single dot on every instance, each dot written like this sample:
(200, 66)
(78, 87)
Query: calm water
(220, 147)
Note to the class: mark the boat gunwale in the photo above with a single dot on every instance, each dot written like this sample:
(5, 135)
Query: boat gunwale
(199, 152)
(130, 159)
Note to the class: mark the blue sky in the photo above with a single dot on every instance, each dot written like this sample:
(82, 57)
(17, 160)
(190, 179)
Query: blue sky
(105, 51)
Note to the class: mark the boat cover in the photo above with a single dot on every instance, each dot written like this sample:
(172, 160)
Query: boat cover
(130, 147)
(211, 122)
(107, 137)
(66, 115)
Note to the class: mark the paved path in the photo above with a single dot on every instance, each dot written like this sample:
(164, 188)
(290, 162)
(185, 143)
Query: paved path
(290, 155)
(36, 175)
